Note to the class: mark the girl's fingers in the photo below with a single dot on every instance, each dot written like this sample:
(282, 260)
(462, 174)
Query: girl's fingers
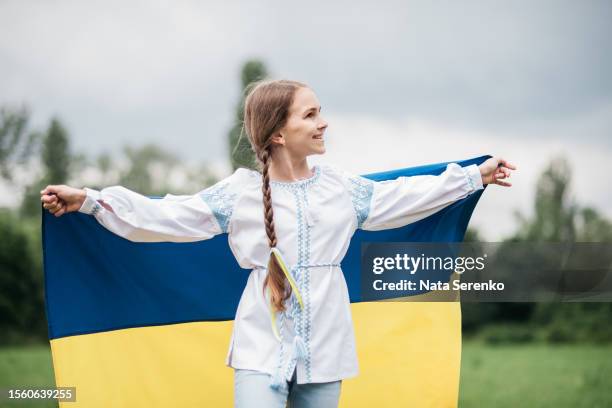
(54, 207)
(503, 171)
(51, 204)
(48, 198)
(507, 164)
(50, 189)
(503, 183)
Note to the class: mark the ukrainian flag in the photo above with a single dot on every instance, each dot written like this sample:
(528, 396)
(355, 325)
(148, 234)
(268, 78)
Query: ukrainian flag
(149, 324)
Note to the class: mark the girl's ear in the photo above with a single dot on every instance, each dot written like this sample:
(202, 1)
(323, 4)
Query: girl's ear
(278, 139)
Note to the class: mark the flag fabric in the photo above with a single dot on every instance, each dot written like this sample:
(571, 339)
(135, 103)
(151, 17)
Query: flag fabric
(149, 324)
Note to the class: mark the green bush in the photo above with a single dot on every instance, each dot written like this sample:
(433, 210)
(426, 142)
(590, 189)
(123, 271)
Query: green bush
(507, 334)
(22, 313)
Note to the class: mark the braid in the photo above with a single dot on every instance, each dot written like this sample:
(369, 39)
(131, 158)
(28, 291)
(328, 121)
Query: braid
(275, 279)
(266, 109)
(267, 199)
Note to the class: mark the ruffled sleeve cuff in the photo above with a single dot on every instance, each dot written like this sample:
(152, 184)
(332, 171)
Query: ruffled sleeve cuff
(91, 205)
(473, 176)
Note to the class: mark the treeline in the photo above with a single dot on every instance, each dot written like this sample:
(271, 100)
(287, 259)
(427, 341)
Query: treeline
(557, 217)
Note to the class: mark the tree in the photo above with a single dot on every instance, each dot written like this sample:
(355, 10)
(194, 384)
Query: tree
(554, 210)
(557, 217)
(17, 144)
(104, 162)
(241, 153)
(56, 153)
(22, 313)
(591, 226)
(57, 165)
(142, 164)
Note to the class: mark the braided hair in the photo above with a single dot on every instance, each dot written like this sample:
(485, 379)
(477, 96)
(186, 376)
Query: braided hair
(266, 110)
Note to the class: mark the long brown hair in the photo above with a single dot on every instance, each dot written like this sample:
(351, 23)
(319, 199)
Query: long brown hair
(266, 109)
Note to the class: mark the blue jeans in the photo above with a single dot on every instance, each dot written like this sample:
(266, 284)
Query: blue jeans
(252, 389)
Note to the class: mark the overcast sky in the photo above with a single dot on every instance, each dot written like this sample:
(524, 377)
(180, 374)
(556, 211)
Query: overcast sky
(401, 83)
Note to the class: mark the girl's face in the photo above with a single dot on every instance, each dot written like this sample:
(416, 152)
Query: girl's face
(304, 131)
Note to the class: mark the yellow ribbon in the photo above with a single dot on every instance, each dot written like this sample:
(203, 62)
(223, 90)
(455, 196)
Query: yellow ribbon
(283, 265)
(281, 261)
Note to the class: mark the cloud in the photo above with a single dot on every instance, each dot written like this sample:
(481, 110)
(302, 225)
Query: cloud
(370, 144)
(416, 82)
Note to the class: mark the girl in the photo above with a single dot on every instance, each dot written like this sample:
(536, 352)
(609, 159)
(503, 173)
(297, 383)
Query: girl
(292, 340)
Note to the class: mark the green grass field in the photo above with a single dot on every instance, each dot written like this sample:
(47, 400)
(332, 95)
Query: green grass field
(26, 367)
(535, 375)
(492, 376)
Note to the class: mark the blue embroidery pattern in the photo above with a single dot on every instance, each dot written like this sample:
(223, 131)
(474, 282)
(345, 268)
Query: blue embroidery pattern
(282, 348)
(306, 291)
(301, 274)
(221, 202)
(293, 185)
(361, 190)
(96, 208)
(298, 273)
(469, 179)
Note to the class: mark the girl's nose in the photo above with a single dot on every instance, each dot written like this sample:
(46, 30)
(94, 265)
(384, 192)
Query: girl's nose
(323, 124)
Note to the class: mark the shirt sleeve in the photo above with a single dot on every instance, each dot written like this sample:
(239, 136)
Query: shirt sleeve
(173, 218)
(395, 203)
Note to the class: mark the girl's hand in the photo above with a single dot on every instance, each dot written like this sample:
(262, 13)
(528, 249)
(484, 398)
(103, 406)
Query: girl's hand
(494, 170)
(61, 199)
